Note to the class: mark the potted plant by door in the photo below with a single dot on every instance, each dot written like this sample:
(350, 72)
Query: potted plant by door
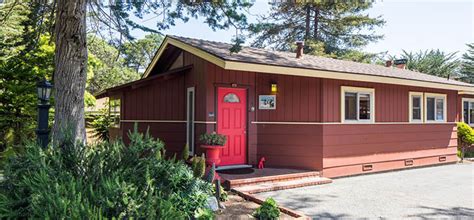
(212, 143)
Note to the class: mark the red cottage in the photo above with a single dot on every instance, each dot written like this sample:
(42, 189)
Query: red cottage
(337, 117)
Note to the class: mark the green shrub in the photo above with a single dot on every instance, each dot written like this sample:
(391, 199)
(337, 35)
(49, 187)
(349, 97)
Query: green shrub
(199, 166)
(213, 139)
(106, 180)
(465, 138)
(101, 125)
(268, 210)
(211, 174)
(185, 152)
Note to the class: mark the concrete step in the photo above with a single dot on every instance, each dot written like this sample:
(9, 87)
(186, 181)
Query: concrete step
(283, 184)
(271, 178)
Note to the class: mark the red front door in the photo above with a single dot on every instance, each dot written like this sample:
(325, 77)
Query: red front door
(232, 122)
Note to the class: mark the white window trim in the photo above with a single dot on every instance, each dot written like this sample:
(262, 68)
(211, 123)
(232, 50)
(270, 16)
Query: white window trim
(362, 90)
(410, 107)
(110, 100)
(189, 124)
(462, 108)
(445, 105)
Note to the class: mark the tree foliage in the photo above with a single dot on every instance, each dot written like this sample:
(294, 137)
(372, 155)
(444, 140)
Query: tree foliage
(118, 17)
(25, 57)
(433, 62)
(329, 28)
(109, 68)
(139, 53)
(467, 66)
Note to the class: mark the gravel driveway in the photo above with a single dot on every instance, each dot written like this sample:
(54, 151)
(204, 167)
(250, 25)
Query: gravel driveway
(424, 193)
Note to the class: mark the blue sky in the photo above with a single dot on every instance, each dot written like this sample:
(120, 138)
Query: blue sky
(410, 25)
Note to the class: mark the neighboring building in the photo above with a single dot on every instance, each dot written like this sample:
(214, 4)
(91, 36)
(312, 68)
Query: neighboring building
(335, 116)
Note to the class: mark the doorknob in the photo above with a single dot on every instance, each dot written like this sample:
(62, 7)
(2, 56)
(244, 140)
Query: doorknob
(245, 132)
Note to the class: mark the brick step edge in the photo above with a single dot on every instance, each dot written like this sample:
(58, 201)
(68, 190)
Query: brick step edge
(258, 200)
(283, 186)
(276, 178)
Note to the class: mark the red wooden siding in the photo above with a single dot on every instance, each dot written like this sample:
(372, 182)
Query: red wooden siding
(298, 98)
(337, 149)
(295, 146)
(357, 140)
(391, 101)
(158, 100)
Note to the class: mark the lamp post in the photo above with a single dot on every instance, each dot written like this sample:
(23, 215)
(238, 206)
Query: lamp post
(44, 92)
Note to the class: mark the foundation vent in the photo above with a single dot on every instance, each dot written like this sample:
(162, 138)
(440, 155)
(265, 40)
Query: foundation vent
(442, 158)
(409, 162)
(367, 167)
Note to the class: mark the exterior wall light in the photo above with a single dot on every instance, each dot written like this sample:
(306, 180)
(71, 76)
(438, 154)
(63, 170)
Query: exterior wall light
(274, 88)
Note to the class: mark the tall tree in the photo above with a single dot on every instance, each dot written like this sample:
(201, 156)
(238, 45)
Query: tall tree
(467, 65)
(70, 72)
(433, 62)
(333, 28)
(71, 47)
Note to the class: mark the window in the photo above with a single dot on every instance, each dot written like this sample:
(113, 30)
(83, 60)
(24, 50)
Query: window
(416, 106)
(231, 98)
(114, 111)
(357, 104)
(468, 111)
(435, 107)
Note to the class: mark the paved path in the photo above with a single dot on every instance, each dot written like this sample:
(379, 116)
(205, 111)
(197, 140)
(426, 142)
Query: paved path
(425, 193)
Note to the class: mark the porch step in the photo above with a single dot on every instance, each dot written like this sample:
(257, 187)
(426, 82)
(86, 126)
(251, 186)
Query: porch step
(282, 184)
(271, 178)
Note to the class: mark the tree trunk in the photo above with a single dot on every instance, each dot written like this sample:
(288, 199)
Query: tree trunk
(316, 22)
(307, 21)
(70, 71)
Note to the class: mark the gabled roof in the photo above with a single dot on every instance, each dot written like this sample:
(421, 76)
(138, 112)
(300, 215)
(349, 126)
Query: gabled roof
(268, 61)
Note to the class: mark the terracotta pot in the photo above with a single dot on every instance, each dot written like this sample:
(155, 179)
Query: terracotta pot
(212, 154)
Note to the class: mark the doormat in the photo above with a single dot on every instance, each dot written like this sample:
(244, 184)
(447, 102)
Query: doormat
(237, 171)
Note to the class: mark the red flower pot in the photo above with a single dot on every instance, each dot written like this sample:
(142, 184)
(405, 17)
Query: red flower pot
(212, 154)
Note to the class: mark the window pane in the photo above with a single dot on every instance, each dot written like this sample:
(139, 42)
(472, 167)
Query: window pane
(232, 98)
(350, 106)
(416, 111)
(430, 109)
(466, 112)
(439, 109)
(471, 113)
(364, 106)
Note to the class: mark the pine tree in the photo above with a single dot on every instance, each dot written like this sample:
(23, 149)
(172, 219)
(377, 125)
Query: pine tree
(328, 27)
(433, 62)
(467, 65)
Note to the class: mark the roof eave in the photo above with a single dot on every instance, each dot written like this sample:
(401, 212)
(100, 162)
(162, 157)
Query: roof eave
(295, 71)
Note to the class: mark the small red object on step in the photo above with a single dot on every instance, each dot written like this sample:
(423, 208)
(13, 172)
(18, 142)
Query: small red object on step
(261, 163)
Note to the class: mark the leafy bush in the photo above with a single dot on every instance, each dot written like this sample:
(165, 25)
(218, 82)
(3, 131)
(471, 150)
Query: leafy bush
(213, 139)
(199, 166)
(106, 180)
(465, 138)
(101, 125)
(185, 152)
(268, 210)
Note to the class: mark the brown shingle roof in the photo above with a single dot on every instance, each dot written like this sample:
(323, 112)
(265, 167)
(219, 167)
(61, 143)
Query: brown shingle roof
(287, 59)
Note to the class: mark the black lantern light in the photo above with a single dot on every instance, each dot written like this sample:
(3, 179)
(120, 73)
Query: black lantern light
(44, 93)
(44, 90)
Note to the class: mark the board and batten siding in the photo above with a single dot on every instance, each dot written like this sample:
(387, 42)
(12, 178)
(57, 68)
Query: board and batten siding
(391, 101)
(305, 130)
